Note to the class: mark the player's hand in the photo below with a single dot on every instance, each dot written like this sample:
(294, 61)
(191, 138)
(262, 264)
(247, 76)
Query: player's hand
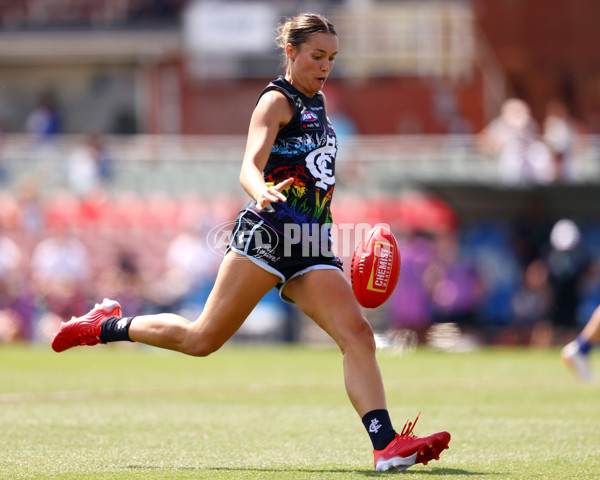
(272, 194)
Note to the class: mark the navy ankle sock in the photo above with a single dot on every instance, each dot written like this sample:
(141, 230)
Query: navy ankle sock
(584, 345)
(379, 427)
(115, 329)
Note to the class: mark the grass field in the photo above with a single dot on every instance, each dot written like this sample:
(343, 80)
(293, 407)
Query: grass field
(258, 412)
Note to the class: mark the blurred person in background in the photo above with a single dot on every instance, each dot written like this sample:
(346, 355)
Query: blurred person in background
(44, 121)
(559, 133)
(514, 137)
(288, 171)
(31, 216)
(17, 307)
(89, 166)
(9, 326)
(455, 287)
(568, 262)
(122, 279)
(576, 353)
(191, 264)
(409, 306)
(532, 306)
(10, 253)
(61, 273)
(16, 297)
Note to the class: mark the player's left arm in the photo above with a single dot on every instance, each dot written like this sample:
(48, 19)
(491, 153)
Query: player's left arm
(271, 113)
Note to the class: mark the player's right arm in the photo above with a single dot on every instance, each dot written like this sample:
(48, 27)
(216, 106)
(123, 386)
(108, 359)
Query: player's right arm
(273, 111)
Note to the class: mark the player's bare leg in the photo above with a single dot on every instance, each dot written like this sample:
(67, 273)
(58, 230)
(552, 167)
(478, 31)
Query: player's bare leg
(326, 297)
(239, 286)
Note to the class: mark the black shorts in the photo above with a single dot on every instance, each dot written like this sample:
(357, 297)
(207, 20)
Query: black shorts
(280, 249)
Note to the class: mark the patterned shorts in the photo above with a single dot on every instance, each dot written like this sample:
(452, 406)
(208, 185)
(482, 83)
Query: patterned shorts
(275, 249)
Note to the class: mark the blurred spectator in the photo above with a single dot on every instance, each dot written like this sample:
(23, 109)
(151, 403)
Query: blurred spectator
(568, 261)
(191, 265)
(488, 245)
(61, 272)
(17, 307)
(189, 259)
(16, 298)
(10, 254)
(559, 133)
(409, 307)
(9, 326)
(532, 305)
(514, 138)
(89, 166)
(60, 255)
(121, 279)
(31, 208)
(44, 120)
(454, 283)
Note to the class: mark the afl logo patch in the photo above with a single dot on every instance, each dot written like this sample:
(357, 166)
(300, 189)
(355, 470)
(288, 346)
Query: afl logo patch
(310, 121)
(309, 117)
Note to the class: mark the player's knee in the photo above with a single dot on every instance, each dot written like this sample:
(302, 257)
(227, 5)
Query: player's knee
(357, 335)
(201, 347)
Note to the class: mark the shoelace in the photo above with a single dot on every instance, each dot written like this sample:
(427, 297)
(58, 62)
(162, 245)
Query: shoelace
(407, 430)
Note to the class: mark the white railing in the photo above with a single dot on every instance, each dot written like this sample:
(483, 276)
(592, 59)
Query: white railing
(211, 163)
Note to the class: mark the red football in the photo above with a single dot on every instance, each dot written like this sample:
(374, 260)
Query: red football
(375, 267)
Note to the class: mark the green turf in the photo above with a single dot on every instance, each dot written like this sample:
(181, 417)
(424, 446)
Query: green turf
(274, 412)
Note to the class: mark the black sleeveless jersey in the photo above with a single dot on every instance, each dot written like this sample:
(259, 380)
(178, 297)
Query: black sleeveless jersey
(304, 149)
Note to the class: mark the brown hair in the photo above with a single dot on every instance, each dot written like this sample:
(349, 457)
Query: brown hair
(298, 29)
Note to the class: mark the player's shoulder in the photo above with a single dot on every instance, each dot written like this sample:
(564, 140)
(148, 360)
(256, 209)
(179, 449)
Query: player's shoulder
(275, 104)
(274, 97)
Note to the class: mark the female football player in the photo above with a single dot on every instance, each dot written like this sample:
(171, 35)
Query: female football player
(281, 239)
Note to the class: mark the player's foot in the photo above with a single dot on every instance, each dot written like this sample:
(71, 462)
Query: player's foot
(577, 362)
(85, 330)
(407, 450)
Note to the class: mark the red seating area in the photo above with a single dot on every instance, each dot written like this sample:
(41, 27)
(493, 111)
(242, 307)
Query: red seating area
(145, 224)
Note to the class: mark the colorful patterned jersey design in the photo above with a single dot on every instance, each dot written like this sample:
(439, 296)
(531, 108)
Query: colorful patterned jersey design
(304, 149)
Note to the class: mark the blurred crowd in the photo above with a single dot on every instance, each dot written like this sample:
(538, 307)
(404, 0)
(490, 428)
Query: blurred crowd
(59, 254)
(530, 153)
(534, 280)
(531, 282)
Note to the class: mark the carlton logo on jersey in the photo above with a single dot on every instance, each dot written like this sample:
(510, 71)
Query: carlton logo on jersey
(320, 163)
